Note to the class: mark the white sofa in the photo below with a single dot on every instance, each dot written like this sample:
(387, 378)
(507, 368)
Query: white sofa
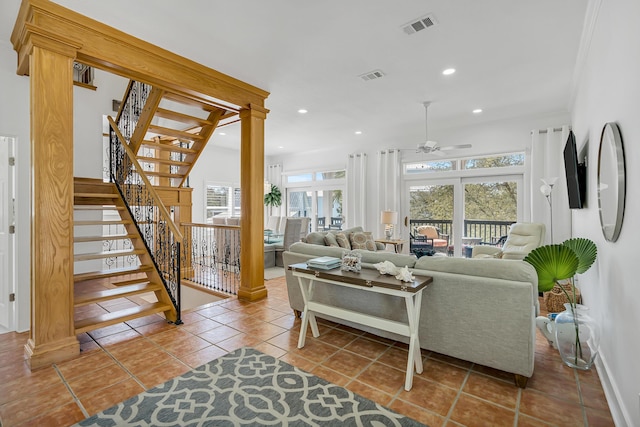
(479, 310)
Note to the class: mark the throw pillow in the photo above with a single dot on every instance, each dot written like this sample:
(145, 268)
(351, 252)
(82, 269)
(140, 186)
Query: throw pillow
(343, 241)
(315, 238)
(330, 240)
(362, 240)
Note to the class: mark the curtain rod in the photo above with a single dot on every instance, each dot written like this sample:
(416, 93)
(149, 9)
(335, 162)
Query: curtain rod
(554, 129)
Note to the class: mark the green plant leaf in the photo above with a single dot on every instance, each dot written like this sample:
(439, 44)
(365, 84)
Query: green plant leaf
(585, 250)
(273, 198)
(552, 263)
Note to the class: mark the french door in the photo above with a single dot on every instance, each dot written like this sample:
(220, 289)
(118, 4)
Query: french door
(324, 206)
(466, 210)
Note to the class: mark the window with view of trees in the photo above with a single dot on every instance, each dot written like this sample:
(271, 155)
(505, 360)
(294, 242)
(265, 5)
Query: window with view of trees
(222, 200)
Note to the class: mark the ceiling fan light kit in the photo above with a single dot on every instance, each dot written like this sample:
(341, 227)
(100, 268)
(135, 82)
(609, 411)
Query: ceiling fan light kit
(432, 147)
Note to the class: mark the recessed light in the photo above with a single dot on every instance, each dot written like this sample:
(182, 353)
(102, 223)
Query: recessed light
(222, 133)
(280, 147)
(449, 71)
(358, 132)
(477, 111)
(302, 111)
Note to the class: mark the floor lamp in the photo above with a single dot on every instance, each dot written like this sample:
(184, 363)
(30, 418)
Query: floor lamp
(547, 189)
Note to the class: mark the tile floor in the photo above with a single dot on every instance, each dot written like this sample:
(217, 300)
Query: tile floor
(123, 360)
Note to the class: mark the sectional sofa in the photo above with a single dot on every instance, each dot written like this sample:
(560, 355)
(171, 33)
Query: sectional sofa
(479, 310)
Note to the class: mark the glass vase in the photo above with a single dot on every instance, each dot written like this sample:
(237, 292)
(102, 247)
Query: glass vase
(577, 336)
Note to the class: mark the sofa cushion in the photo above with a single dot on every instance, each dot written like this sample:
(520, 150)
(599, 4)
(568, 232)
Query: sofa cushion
(315, 238)
(343, 241)
(330, 240)
(316, 250)
(362, 240)
(485, 267)
(399, 260)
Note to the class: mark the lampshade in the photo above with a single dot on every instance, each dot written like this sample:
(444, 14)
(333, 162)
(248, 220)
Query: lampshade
(388, 217)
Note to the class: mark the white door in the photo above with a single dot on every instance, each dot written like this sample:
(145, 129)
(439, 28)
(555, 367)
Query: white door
(6, 236)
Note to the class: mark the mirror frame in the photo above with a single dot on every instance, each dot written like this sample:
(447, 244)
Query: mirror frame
(614, 166)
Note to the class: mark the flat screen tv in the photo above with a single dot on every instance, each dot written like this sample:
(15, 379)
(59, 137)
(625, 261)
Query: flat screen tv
(576, 174)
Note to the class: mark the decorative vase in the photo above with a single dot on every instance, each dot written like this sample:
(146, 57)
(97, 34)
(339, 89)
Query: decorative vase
(577, 336)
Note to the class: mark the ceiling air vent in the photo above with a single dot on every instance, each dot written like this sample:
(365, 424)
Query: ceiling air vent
(419, 24)
(372, 75)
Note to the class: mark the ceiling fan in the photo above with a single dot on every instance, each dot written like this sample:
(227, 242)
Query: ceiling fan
(432, 147)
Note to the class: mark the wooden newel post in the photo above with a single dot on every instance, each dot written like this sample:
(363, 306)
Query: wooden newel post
(50, 66)
(252, 204)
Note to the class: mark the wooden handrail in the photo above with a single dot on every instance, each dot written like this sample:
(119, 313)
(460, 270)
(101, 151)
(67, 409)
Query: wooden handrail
(163, 210)
(192, 224)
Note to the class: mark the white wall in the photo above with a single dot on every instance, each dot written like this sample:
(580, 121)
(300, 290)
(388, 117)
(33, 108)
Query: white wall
(14, 121)
(608, 91)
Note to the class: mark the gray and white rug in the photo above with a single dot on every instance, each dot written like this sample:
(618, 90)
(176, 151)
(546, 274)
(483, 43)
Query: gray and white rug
(248, 388)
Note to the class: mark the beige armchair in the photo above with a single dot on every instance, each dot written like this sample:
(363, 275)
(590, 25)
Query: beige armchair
(523, 237)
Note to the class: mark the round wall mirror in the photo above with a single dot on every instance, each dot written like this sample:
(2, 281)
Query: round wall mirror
(611, 181)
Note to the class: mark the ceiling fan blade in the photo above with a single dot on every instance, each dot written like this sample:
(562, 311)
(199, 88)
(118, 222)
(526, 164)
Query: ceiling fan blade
(456, 147)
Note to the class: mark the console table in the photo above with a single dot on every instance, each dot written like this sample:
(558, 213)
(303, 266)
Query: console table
(370, 281)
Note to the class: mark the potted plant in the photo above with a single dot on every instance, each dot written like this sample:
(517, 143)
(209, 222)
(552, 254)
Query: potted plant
(273, 198)
(576, 334)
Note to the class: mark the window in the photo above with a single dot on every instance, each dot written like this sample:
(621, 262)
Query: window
(222, 200)
(516, 159)
(431, 166)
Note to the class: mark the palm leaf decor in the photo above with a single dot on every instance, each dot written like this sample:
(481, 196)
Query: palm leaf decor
(585, 250)
(552, 263)
(274, 197)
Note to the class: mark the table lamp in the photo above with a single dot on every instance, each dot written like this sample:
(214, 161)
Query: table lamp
(389, 219)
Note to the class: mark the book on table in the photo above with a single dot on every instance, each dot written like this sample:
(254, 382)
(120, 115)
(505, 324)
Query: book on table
(324, 263)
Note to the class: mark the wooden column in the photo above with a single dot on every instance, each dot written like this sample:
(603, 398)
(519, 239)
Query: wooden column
(52, 338)
(252, 204)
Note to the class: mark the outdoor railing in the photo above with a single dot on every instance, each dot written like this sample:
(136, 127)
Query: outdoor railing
(214, 254)
(488, 231)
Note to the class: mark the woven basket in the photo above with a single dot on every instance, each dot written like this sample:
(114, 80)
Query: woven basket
(555, 299)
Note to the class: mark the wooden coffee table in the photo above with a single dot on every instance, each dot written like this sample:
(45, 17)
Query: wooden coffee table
(369, 281)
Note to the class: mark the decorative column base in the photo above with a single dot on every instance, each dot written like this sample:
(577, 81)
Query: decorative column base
(40, 356)
(252, 294)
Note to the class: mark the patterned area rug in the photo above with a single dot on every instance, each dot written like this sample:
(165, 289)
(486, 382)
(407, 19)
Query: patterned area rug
(247, 387)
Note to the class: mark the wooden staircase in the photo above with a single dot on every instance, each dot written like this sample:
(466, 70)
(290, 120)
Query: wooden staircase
(171, 133)
(111, 262)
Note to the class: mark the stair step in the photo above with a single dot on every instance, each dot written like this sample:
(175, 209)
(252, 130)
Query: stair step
(164, 174)
(99, 222)
(97, 195)
(107, 254)
(130, 282)
(114, 272)
(120, 316)
(180, 117)
(119, 292)
(105, 207)
(157, 161)
(84, 239)
(168, 147)
(175, 133)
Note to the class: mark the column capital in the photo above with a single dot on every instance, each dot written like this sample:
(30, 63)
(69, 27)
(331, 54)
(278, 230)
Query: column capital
(34, 36)
(253, 110)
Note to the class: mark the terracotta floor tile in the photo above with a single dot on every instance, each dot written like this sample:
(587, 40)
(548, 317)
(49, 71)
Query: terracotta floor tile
(315, 350)
(387, 379)
(88, 347)
(125, 349)
(210, 312)
(299, 362)
(599, 418)
(270, 349)
(147, 320)
(287, 322)
(493, 372)
(121, 337)
(443, 373)
(473, 412)
(187, 345)
(430, 395)
(139, 362)
(109, 330)
(492, 389)
(265, 331)
(192, 317)
(593, 396)
(108, 397)
(394, 357)
(559, 385)
(203, 356)
(169, 337)
(230, 316)
(366, 348)
(347, 363)
(527, 421)
(419, 414)
(287, 340)
(219, 334)
(245, 324)
(337, 337)
(330, 375)
(238, 341)
(162, 373)
(65, 415)
(79, 367)
(38, 402)
(550, 409)
(369, 392)
(98, 379)
(154, 328)
(23, 386)
(201, 326)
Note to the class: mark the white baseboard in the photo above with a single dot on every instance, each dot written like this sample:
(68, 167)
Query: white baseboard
(619, 412)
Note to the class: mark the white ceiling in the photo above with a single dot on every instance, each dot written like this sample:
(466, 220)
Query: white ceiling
(513, 58)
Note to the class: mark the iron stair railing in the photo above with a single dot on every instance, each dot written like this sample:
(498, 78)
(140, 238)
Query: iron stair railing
(160, 234)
